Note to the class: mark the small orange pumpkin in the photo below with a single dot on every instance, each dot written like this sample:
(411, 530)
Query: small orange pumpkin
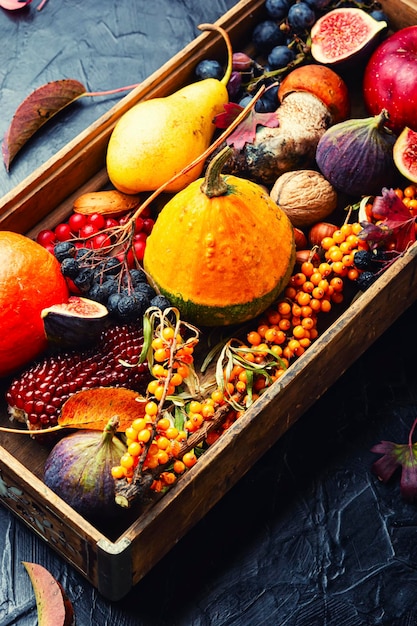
(221, 250)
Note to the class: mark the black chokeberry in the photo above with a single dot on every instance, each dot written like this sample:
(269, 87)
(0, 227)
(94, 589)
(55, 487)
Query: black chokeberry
(64, 250)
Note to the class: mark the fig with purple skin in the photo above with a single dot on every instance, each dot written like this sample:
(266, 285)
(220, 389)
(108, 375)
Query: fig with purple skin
(78, 470)
(356, 156)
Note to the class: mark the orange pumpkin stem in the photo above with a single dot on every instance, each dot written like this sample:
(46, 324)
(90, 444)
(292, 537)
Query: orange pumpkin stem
(214, 184)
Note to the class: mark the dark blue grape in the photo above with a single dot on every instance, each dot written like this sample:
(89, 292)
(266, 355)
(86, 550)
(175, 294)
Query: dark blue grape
(278, 9)
(379, 15)
(318, 4)
(301, 17)
(280, 57)
(268, 102)
(245, 100)
(209, 68)
(266, 35)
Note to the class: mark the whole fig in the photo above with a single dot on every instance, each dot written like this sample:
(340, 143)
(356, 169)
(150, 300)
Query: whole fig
(356, 156)
(78, 470)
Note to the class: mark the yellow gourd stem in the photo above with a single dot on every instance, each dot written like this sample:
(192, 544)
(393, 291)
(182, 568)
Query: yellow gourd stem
(219, 29)
(214, 184)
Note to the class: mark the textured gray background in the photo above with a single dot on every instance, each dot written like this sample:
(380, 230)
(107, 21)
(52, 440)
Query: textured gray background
(308, 537)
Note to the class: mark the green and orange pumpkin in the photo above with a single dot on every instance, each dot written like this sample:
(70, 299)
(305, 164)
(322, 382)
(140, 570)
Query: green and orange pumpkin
(221, 250)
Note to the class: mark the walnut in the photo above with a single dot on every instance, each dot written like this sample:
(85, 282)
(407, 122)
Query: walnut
(305, 196)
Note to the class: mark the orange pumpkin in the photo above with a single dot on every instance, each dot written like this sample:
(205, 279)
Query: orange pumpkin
(221, 250)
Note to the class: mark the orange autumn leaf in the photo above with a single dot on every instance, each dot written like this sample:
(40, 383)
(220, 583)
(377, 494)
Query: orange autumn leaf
(93, 408)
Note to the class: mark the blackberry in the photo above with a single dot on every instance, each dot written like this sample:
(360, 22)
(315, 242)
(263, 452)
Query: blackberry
(64, 250)
(36, 396)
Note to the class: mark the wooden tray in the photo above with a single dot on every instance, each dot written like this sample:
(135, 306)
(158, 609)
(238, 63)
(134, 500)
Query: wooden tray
(116, 559)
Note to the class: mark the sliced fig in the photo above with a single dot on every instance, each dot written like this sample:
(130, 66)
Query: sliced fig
(77, 322)
(405, 154)
(344, 35)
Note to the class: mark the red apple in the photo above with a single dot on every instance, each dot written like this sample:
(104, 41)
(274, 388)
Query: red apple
(390, 79)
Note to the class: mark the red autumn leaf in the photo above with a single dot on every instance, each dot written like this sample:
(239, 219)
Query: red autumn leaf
(12, 5)
(394, 220)
(53, 606)
(246, 131)
(93, 408)
(37, 109)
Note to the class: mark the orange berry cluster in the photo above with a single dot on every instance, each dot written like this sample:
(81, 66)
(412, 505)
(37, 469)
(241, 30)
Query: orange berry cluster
(340, 249)
(158, 436)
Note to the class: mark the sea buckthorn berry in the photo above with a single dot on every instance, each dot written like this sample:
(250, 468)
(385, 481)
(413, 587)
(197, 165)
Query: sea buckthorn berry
(134, 449)
(159, 391)
(207, 411)
(303, 299)
(240, 386)
(298, 279)
(315, 304)
(190, 426)
(307, 268)
(327, 243)
(195, 406)
(162, 442)
(276, 350)
(273, 317)
(217, 396)
(117, 471)
(144, 435)
(337, 283)
(296, 310)
(307, 323)
(168, 333)
(171, 432)
(163, 423)
(409, 192)
(285, 324)
(335, 255)
(159, 371)
(151, 408)
(298, 331)
(338, 236)
(316, 278)
(189, 459)
(284, 308)
(176, 379)
(163, 457)
(325, 305)
(337, 297)
(307, 288)
(356, 228)
(254, 338)
(161, 354)
(179, 467)
(126, 461)
(325, 269)
(262, 330)
(152, 386)
(290, 292)
(318, 293)
(139, 424)
(131, 433)
(346, 229)
(182, 369)
(270, 335)
(353, 273)
(157, 343)
(305, 342)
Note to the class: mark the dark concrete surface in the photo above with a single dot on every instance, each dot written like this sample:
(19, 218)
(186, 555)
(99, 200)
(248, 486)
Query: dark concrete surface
(308, 537)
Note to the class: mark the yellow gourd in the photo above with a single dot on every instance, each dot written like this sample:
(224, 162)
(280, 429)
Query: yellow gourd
(221, 250)
(156, 139)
